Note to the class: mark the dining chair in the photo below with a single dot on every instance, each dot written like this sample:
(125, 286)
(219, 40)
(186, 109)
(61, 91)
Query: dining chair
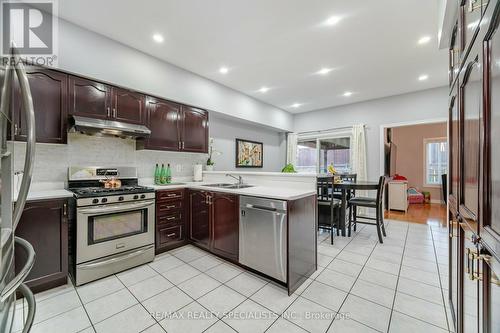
(376, 203)
(328, 208)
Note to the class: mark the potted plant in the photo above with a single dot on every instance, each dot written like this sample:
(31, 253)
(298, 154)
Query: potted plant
(211, 154)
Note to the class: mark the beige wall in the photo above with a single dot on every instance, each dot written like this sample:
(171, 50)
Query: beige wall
(410, 153)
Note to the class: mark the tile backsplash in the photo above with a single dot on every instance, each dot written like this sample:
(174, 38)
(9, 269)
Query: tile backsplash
(52, 161)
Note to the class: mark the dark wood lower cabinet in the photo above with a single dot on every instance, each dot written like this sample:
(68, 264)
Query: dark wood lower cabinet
(214, 222)
(225, 225)
(44, 224)
(199, 218)
(170, 220)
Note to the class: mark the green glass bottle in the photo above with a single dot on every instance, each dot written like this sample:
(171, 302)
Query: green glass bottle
(169, 174)
(157, 174)
(163, 175)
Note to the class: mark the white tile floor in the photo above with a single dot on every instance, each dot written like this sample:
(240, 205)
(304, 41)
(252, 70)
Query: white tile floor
(360, 286)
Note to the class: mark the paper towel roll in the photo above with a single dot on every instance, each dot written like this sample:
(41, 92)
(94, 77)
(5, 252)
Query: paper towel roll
(198, 173)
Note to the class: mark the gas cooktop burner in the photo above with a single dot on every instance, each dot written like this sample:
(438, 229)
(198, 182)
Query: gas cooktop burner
(86, 192)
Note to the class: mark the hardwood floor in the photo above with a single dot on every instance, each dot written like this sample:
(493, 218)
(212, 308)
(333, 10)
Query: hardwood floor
(430, 214)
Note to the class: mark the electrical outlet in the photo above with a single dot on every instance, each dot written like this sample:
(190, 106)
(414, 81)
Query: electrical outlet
(178, 168)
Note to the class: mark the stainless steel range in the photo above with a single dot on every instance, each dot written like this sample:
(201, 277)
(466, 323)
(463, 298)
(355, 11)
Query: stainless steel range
(114, 227)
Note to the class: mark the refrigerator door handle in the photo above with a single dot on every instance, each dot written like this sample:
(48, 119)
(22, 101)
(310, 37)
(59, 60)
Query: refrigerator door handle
(10, 288)
(30, 299)
(27, 102)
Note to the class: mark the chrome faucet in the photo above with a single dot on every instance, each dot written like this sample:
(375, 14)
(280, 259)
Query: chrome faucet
(239, 178)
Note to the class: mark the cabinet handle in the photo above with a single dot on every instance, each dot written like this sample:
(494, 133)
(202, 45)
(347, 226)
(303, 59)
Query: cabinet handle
(171, 206)
(114, 113)
(172, 234)
(170, 218)
(65, 210)
(183, 145)
(16, 129)
(108, 111)
(171, 195)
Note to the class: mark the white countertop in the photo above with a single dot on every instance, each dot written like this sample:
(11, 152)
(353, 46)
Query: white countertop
(254, 191)
(47, 194)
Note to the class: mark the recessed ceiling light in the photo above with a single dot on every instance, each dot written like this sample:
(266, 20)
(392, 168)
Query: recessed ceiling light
(423, 77)
(264, 89)
(223, 70)
(296, 105)
(424, 40)
(332, 20)
(324, 71)
(158, 38)
(347, 93)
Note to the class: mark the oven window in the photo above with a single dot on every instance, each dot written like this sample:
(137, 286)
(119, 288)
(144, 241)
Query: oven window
(117, 225)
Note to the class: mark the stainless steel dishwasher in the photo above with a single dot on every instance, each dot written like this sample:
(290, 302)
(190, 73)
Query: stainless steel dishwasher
(263, 236)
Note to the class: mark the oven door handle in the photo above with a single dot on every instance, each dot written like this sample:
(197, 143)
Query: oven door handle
(118, 258)
(108, 209)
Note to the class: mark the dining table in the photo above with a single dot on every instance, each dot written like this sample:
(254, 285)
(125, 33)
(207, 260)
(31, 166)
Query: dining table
(346, 189)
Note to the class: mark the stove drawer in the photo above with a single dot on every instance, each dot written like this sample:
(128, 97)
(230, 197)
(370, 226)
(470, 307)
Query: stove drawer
(168, 207)
(169, 195)
(168, 235)
(175, 217)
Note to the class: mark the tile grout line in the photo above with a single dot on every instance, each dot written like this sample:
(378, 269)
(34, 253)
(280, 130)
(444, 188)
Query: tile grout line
(357, 277)
(440, 283)
(399, 275)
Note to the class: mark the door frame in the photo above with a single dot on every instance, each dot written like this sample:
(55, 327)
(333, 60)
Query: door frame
(383, 127)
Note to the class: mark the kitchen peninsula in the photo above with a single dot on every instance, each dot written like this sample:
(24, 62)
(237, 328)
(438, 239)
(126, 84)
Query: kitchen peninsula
(265, 222)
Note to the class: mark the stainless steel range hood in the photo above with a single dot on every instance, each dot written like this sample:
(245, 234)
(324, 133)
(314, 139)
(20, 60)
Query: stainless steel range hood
(108, 127)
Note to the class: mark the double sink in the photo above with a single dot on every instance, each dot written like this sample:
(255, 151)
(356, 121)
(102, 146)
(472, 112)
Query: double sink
(229, 186)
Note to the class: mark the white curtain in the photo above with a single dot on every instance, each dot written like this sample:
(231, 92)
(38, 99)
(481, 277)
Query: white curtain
(358, 151)
(291, 148)
(358, 159)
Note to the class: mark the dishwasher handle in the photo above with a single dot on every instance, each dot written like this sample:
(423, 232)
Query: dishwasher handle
(265, 209)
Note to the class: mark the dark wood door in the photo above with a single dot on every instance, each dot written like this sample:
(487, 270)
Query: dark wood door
(89, 98)
(470, 109)
(199, 218)
(489, 270)
(469, 280)
(454, 151)
(163, 121)
(44, 225)
(49, 90)
(225, 225)
(490, 224)
(194, 135)
(128, 106)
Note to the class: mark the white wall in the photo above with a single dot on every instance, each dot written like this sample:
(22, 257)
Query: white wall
(86, 53)
(423, 105)
(225, 131)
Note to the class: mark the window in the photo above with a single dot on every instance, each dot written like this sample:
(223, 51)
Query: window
(307, 156)
(316, 154)
(436, 160)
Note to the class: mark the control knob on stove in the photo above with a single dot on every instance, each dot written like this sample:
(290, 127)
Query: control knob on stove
(143, 196)
(95, 201)
(104, 200)
(120, 198)
(136, 197)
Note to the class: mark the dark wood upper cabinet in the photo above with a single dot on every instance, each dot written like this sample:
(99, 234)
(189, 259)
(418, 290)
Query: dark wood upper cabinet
(49, 90)
(199, 218)
(163, 121)
(89, 98)
(175, 127)
(194, 130)
(44, 225)
(225, 225)
(128, 106)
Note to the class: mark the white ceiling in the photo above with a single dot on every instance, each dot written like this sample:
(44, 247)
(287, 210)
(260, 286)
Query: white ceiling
(282, 43)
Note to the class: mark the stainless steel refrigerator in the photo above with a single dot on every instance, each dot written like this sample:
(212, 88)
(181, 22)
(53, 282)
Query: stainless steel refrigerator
(12, 204)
